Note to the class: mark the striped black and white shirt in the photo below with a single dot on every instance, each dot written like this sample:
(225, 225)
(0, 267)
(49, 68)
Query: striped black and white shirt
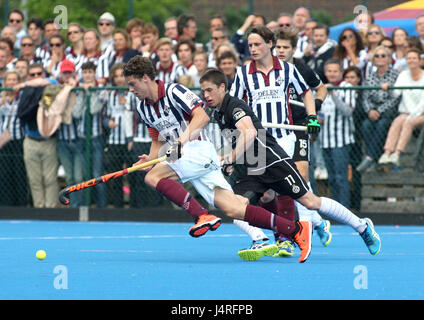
(68, 132)
(170, 74)
(338, 129)
(267, 95)
(80, 59)
(170, 116)
(122, 114)
(9, 120)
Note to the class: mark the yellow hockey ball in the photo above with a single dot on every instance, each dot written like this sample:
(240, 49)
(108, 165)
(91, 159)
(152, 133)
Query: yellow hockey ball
(41, 254)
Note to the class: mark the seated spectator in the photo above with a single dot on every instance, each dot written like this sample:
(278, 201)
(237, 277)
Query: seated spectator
(9, 33)
(219, 50)
(411, 109)
(17, 22)
(322, 50)
(400, 42)
(12, 169)
(7, 44)
(105, 27)
(91, 51)
(171, 30)
(219, 35)
(337, 132)
(374, 35)
(4, 57)
(381, 107)
(122, 48)
(167, 70)
(350, 49)
(28, 51)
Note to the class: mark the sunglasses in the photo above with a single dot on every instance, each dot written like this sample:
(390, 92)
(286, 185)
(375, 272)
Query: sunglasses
(350, 36)
(373, 32)
(36, 74)
(55, 44)
(71, 32)
(26, 44)
(15, 21)
(284, 25)
(217, 38)
(380, 56)
(104, 24)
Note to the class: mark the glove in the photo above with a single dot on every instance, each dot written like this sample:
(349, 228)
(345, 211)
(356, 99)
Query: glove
(227, 169)
(313, 125)
(318, 104)
(174, 151)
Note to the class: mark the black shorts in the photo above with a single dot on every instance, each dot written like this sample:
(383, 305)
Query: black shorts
(282, 177)
(302, 147)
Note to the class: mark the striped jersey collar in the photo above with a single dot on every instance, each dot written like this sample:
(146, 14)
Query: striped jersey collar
(275, 62)
(161, 93)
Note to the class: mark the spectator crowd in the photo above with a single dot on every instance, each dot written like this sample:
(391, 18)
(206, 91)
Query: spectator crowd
(46, 118)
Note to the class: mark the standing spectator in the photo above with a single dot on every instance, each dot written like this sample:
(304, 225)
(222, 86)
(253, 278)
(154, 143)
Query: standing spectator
(284, 20)
(7, 44)
(91, 51)
(400, 42)
(381, 107)
(419, 27)
(216, 21)
(219, 35)
(118, 120)
(9, 33)
(187, 29)
(12, 169)
(322, 50)
(411, 109)
(52, 65)
(122, 48)
(350, 49)
(374, 35)
(4, 57)
(184, 51)
(304, 45)
(97, 104)
(43, 51)
(21, 67)
(69, 145)
(167, 70)
(40, 153)
(17, 22)
(36, 31)
(362, 22)
(227, 62)
(105, 26)
(171, 29)
(28, 50)
(200, 61)
(134, 29)
(75, 34)
(337, 132)
(150, 37)
(353, 76)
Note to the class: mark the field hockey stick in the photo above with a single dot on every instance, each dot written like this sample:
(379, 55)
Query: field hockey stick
(284, 126)
(64, 193)
(297, 103)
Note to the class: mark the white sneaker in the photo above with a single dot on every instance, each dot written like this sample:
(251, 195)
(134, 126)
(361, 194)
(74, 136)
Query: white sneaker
(394, 159)
(324, 174)
(317, 173)
(384, 159)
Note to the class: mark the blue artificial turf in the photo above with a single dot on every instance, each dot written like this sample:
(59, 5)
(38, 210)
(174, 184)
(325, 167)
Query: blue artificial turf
(160, 261)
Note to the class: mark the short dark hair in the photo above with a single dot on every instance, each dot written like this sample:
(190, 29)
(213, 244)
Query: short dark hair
(226, 55)
(89, 65)
(322, 26)
(215, 76)
(37, 21)
(182, 22)
(289, 34)
(264, 32)
(138, 66)
(18, 12)
(333, 61)
(187, 42)
(354, 69)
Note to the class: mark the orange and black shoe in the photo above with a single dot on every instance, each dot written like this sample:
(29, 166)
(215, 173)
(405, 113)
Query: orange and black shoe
(303, 239)
(204, 223)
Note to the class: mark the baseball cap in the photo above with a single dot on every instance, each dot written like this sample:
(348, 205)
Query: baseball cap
(67, 66)
(108, 17)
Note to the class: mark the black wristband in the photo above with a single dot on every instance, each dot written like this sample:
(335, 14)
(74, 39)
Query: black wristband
(318, 103)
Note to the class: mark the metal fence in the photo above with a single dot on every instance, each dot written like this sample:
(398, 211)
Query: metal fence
(131, 191)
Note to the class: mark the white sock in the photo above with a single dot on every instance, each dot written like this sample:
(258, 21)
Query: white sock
(253, 232)
(308, 215)
(336, 211)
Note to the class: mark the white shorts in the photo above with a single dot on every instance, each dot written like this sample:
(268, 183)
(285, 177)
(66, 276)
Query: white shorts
(199, 164)
(287, 143)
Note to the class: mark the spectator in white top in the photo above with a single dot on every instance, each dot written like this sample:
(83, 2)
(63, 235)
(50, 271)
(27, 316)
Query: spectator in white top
(106, 26)
(411, 109)
(400, 42)
(168, 71)
(16, 21)
(350, 49)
